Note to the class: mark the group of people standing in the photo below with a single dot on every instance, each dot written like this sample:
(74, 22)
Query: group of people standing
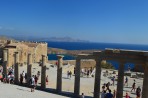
(106, 91)
(33, 81)
(86, 72)
(9, 77)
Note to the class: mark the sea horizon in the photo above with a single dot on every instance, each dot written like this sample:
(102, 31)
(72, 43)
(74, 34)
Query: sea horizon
(96, 45)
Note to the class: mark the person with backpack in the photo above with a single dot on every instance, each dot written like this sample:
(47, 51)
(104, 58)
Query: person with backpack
(32, 83)
(109, 95)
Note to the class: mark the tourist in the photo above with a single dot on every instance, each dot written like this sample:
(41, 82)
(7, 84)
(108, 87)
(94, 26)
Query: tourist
(126, 81)
(56, 63)
(138, 92)
(4, 78)
(70, 73)
(32, 83)
(103, 94)
(107, 86)
(83, 71)
(8, 79)
(21, 79)
(91, 70)
(11, 79)
(47, 80)
(88, 73)
(82, 96)
(133, 86)
(113, 79)
(109, 95)
(36, 80)
(26, 77)
(23, 76)
(127, 96)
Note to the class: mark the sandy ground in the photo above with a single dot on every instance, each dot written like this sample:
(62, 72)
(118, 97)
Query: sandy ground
(14, 91)
(87, 85)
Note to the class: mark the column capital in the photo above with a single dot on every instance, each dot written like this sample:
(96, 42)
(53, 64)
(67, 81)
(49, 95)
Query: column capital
(5, 49)
(98, 58)
(16, 52)
(60, 56)
(29, 53)
(43, 56)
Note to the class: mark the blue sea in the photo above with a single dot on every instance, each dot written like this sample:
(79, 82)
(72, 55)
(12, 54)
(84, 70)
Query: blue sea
(89, 45)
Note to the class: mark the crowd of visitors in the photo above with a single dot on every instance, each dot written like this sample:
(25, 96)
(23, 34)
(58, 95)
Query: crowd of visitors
(86, 72)
(9, 77)
(106, 92)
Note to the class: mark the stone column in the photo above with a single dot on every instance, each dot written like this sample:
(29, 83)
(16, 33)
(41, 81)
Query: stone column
(29, 67)
(16, 69)
(5, 61)
(8, 58)
(43, 72)
(77, 77)
(59, 73)
(145, 82)
(97, 79)
(120, 80)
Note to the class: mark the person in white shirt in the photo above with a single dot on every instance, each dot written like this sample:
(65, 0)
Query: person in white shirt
(32, 83)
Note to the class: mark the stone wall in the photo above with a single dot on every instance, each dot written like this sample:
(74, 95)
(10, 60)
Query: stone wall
(40, 50)
(84, 63)
(23, 48)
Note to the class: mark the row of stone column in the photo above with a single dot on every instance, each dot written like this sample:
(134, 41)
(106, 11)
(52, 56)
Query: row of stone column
(120, 82)
(77, 74)
(98, 79)
(59, 74)
(29, 69)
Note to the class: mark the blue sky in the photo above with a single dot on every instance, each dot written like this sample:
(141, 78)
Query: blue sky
(115, 21)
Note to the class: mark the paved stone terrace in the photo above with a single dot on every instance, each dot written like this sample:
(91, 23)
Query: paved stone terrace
(14, 91)
(87, 85)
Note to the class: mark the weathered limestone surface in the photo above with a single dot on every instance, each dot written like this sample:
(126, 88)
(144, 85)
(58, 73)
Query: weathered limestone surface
(16, 69)
(120, 80)
(77, 78)
(37, 50)
(29, 67)
(97, 79)
(43, 72)
(5, 56)
(145, 83)
(59, 73)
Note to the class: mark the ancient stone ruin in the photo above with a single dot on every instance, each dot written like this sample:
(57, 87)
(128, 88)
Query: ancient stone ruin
(23, 48)
(122, 56)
